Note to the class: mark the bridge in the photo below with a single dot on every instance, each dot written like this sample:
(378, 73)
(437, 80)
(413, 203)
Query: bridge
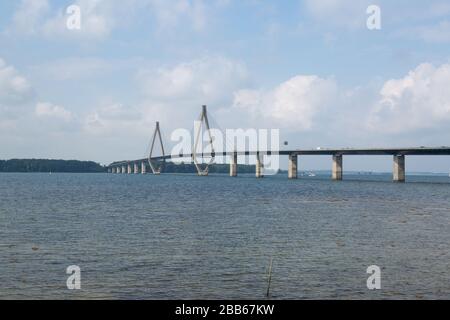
(142, 166)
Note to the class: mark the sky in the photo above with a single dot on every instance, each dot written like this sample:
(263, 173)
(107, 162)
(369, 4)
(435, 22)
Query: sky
(310, 68)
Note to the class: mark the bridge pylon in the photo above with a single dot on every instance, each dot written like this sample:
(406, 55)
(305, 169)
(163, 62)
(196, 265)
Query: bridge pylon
(197, 138)
(157, 134)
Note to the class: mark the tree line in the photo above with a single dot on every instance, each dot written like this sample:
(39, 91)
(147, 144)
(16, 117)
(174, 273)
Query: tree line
(76, 166)
(46, 165)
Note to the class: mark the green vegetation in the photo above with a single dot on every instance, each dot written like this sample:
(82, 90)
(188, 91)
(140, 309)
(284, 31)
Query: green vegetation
(75, 166)
(44, 165)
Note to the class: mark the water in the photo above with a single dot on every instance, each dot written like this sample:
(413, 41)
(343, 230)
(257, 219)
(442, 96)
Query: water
(188, 237)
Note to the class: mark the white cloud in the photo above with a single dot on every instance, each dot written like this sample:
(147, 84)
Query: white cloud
(438, 8)
(427, 21)
(76, 68)
(169, 13)
(51, 111)
(196, 14)
(210, 79)
(419, 100)
(16, 95)
(112, 118)
(14, 88)
(100, 17)
(29, 15)
(437, 33)
(294, 104)
(351, 14)
(173, 95)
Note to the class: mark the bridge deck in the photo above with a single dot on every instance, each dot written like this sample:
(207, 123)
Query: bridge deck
(422, 151)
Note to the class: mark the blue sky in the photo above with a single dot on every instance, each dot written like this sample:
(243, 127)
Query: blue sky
(311, 68)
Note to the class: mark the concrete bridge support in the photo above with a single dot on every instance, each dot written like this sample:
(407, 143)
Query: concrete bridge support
(143, 168)
(292, 166)
(337, 167)
(233, 165)
(124, 169)
(399, 168)
(259, 165)
(136, 168)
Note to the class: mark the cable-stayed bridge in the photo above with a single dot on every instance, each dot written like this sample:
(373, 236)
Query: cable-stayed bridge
(150, 164)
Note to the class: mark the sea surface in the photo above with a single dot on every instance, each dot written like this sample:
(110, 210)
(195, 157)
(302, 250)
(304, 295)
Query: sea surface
(189, 237)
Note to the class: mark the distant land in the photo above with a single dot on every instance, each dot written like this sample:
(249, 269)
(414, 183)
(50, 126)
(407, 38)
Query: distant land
(75, 166)
(47, 165)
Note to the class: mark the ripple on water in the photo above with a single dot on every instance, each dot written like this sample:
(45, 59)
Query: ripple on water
(139, 237)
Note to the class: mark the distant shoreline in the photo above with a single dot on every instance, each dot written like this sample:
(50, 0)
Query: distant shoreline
(77, 166)
(50, 165)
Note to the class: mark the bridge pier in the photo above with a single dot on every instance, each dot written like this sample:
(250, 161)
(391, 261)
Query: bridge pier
(259, 165)
(136, 168)
(143, 168)
(337, 167)
(124, 169)
(233, 165)
(399, 168)
(292, 166)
